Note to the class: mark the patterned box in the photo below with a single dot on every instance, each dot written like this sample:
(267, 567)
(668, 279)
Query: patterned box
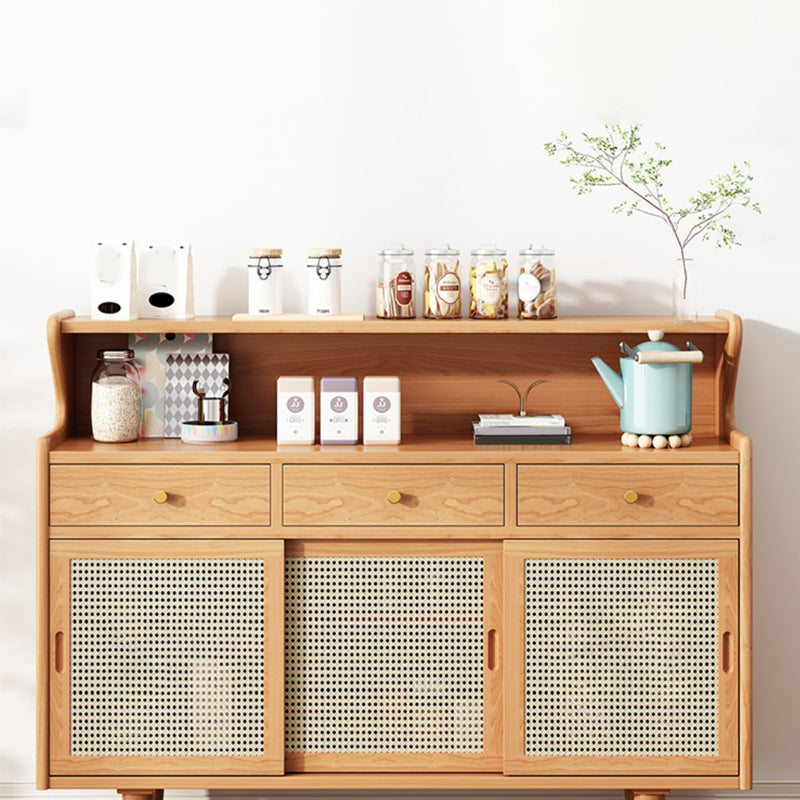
(180, 404)
(150, 351)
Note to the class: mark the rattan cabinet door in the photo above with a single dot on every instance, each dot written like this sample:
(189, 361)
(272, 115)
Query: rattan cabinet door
(621, 657)
(166, 658)
(392, 657)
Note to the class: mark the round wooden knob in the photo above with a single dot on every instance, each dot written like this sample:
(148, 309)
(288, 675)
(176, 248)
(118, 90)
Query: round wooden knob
(394, 497)
(630, 496)
(160, 496)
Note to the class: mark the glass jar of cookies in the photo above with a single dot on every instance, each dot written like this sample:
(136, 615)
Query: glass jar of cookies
(536, 284)
(441, 298)
(488, 283)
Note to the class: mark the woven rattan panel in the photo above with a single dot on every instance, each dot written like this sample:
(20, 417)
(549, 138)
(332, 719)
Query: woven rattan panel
(384, 655)
(167, 657)
(621, 657)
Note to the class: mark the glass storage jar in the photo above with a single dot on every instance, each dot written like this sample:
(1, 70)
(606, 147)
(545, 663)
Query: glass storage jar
(536, 284)
(441, 297)
(488, 283)
(116, 397)
(395, 283)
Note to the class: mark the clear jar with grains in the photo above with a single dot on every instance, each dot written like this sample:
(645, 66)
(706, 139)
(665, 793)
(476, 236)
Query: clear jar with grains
(441, 297)
(488, 283)
(536, 284)
(116, 397)
(395, 283)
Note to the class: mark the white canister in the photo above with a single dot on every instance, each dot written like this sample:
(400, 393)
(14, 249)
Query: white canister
(295, 410)
(265, 281)
(381, 409)
(324, 281)
(338, 410)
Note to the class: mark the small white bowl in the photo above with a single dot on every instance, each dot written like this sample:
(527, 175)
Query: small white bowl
(209, 432)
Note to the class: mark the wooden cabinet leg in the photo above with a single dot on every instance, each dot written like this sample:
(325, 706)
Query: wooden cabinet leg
(141, 794)
(646, 794)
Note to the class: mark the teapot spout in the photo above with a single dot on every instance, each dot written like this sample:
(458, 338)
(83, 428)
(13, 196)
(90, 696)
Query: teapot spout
(610, 378)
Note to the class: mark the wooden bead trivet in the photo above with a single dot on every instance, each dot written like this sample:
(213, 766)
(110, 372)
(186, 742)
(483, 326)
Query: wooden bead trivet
(658, 442)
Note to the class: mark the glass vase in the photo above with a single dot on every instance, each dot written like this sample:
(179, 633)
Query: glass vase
(684, 290)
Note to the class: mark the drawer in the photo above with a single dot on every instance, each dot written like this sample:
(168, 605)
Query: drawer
(429, 494)
(686, 494)
(197, 494)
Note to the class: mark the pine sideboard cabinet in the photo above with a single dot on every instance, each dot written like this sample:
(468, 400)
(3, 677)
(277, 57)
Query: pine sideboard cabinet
(431, 615)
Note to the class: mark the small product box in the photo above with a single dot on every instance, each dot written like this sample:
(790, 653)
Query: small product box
(381, 409)
(338, 410)
(295, 409)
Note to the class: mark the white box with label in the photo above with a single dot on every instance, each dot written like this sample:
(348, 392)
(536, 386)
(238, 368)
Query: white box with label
(381, 409)
(295, 409)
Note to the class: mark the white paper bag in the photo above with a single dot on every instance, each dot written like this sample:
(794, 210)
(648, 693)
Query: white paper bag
(113, 294)
(166, 289)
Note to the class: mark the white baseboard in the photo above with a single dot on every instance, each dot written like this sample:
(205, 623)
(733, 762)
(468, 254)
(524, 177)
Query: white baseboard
(762, 790)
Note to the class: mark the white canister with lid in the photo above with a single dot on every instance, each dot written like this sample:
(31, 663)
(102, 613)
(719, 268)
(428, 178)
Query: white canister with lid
(324, 270)
(265, 281)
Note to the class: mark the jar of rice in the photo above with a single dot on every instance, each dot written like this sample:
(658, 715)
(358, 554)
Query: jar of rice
(116, 397)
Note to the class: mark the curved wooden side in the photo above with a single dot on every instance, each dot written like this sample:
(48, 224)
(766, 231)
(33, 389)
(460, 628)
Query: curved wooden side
(745, 447)
(727, 370)
(59, 369)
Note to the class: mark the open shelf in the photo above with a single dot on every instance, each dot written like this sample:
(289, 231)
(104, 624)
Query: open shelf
(621, 325)
(588, 448)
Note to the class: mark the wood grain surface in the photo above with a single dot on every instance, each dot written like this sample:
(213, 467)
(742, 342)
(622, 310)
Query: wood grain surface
(124, 494)
(594, 495)
(431, 495)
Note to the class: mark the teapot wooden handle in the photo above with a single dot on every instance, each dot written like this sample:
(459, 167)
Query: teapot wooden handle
(669, 357)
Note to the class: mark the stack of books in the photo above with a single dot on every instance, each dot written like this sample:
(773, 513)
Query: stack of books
(511, 430)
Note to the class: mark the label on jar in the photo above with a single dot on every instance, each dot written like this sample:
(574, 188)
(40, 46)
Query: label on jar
(404, 288)
(448, 288)
(528, 287)
(490, 288)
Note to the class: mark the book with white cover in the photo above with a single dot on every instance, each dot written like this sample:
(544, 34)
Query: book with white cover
(533, 421)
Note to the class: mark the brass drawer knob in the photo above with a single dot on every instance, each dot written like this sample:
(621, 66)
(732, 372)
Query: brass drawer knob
(160, 496)
(394, 497)
(630, 496)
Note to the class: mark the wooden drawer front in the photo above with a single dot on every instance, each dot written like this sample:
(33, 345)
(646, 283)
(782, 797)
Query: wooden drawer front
(200, 494)
(686, 494)
(436, 494)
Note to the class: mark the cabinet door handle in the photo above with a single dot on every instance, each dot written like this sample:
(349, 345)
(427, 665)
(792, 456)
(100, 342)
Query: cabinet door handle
(394, 497)
(726, 652)
(491, 649)
(160, 496)
(630, 496)
(58, 654)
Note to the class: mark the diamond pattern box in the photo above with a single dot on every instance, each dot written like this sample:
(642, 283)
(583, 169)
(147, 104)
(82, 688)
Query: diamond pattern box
(180, 402)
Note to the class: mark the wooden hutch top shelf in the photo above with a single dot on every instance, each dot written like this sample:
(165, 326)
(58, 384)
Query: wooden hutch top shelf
(372, 325)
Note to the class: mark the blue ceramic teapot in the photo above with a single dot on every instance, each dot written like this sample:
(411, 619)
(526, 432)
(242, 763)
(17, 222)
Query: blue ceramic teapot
(654, 392)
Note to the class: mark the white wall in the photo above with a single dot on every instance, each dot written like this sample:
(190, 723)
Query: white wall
(356, 123)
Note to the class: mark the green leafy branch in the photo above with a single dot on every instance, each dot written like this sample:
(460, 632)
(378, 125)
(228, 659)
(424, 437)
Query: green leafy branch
(614, 159)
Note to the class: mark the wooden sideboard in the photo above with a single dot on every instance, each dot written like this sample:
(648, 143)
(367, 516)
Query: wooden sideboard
(511, 623)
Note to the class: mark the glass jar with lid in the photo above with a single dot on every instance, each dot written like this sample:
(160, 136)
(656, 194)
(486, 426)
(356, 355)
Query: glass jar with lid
(536, 284)
(488, 283)
(395, 284)
(116, 397)
(441, 297)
